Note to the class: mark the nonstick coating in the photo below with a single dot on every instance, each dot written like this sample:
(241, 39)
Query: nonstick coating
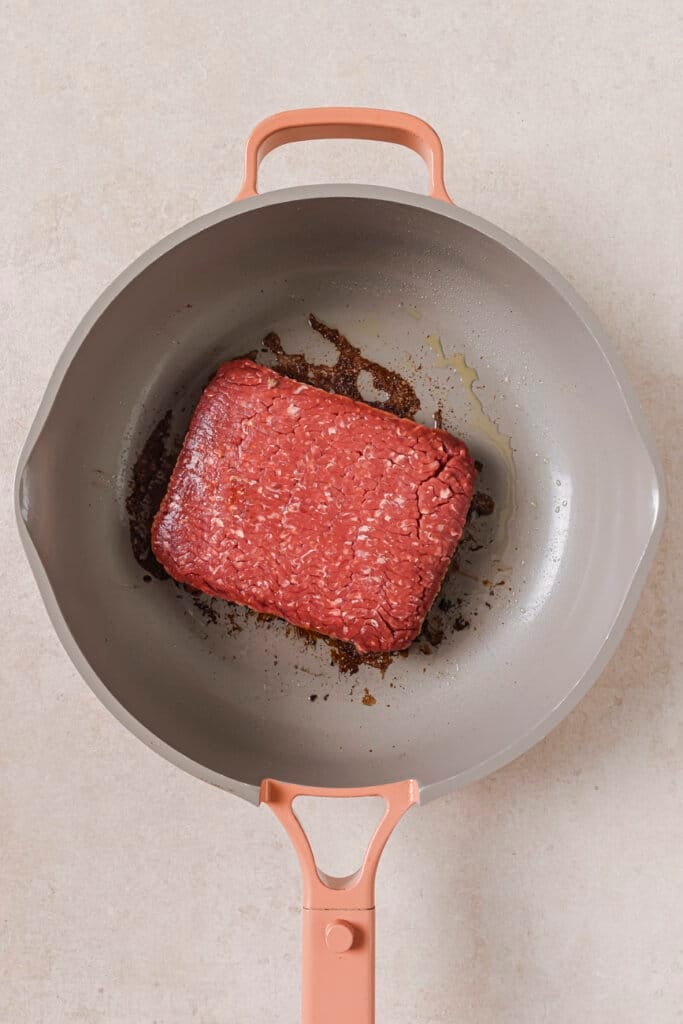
(388, 269)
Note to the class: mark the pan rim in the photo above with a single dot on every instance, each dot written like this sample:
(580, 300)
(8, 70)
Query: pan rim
(551, 276)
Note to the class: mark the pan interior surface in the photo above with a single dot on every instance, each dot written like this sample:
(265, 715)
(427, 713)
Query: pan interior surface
(575, 509)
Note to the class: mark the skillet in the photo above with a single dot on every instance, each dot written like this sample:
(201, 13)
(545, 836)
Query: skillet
(518, 367)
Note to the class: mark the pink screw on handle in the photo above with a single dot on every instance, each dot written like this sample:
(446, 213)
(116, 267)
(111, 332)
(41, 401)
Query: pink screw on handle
(344, 123)
(339, 913)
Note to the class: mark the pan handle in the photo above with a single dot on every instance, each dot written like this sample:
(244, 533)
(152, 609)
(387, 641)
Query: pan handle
(339, 913)
(344, 123)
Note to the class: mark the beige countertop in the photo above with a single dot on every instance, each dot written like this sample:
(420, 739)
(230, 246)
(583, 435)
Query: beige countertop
(131, 893)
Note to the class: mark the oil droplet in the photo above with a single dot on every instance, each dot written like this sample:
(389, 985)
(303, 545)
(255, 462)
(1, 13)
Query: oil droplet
(559, 483)
(564, 504)
(482, 422)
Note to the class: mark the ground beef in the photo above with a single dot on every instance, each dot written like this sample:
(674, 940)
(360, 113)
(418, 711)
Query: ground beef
(336, 516)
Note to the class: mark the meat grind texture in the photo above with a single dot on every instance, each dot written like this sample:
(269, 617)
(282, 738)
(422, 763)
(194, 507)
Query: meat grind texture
(333, 515)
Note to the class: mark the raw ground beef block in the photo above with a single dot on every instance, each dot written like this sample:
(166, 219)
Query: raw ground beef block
(336, 516)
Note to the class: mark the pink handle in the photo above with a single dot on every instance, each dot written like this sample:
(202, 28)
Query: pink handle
(339, 913)
(344, 123)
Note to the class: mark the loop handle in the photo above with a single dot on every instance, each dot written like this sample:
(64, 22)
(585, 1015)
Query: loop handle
(344, 123)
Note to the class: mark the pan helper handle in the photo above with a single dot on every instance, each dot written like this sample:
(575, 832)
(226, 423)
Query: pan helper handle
(344, 123)
(339, 913)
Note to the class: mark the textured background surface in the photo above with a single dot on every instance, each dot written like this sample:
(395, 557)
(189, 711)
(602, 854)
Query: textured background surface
(132, 894)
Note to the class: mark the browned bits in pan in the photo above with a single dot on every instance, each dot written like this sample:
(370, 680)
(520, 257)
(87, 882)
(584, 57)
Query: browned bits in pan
(151, 473)
(342, 377)
(482, 504)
